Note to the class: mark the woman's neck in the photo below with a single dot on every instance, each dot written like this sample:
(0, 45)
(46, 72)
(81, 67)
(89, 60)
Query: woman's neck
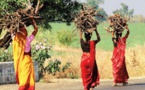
(87, 41)
(22, 33)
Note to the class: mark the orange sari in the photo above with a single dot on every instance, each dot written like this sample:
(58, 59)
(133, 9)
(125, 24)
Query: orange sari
(120, 73)
(89, 70)
(23, 64)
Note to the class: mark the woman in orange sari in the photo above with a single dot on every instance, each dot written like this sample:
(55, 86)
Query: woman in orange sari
(89, 70)
(120, 73)
(23, 63)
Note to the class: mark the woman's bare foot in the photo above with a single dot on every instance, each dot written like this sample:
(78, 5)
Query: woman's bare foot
(91, 88)
(125, 83)
(114, 84)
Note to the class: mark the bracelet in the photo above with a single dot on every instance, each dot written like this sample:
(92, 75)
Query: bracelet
(12, 35)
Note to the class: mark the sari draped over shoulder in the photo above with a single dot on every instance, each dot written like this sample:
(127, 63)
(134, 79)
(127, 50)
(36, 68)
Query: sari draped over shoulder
(120, 73)
(23, 64)
(89, 70)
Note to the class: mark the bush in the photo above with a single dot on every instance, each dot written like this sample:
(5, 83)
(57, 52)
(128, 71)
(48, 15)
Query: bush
(53, 66)
(5, 55)
(65, 37)
(66, 66)
(40, 52)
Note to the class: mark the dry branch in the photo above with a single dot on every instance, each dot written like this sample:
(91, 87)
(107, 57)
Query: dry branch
(12, 21)
(85, 20)
(19, 18)
(117, 23)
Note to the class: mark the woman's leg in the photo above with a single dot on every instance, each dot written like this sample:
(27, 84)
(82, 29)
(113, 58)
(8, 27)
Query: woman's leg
(125, 83)
(114, 84)
(91, 88)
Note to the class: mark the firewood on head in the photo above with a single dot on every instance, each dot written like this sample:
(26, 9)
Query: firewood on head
(85, 20)
(13, 21)
(117, 23)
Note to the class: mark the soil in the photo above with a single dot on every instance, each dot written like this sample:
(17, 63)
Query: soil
(55, 84)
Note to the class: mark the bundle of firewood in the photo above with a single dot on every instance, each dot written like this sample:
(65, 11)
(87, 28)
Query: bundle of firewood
(85, 20)
(117, 23)
(13, 21)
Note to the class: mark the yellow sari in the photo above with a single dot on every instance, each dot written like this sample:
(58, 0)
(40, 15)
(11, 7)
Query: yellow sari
(23, 64)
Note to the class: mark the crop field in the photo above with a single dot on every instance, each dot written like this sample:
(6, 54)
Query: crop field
(136, 36)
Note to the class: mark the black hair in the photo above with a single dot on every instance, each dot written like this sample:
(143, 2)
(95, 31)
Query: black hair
(118, 35)
(88, 35)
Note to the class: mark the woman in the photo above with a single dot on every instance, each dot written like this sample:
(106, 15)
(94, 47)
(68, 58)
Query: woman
(120, 73)
(23, 63)
(89, 70)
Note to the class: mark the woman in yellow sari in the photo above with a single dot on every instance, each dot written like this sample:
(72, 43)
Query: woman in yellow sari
(23, 63)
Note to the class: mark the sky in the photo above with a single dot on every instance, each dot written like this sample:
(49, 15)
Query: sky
(111, 5)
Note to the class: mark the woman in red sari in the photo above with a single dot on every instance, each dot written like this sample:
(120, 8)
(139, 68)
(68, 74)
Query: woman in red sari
(120, 73)
(89, 70)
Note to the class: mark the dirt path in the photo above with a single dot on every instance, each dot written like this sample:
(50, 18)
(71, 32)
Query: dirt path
(76, 84)
(56, 84)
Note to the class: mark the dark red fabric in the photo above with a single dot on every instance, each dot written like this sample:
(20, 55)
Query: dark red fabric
(120, 73)
(89, 70)
(27, 87)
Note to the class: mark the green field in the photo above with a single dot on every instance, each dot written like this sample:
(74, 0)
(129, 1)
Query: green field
(136, 35)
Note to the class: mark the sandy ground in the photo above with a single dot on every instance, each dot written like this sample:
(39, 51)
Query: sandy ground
(73, 84)
(55, 84)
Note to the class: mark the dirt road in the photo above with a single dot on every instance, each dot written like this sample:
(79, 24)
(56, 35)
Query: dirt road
(76, 84)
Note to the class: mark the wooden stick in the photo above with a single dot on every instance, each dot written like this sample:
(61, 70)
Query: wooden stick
(37, 7)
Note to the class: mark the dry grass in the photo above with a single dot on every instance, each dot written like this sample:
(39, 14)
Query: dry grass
(135, 61)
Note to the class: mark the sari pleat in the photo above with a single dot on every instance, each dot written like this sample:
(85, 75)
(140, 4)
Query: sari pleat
(89, 70)
(23, 64)
(120, 73)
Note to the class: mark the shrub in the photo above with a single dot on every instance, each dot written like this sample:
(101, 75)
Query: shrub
(66, 66)
(65, 37)
(5, 55)
(40, 53)
(53, 66)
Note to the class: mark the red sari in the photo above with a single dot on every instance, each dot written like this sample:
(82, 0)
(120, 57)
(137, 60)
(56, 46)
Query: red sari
(120, 73)
(89, 70)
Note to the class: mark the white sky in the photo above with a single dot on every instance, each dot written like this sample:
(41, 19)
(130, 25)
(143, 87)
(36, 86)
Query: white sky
(111, 5)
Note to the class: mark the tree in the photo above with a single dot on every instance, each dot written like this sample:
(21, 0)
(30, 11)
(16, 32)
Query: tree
(124, 11)
(137, 19)
(96, 3)
(59, 10)
(53, 10)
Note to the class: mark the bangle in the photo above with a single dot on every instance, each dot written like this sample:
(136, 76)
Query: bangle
(12, 35)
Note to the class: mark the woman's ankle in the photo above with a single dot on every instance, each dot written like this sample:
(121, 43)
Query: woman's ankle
(114, 84)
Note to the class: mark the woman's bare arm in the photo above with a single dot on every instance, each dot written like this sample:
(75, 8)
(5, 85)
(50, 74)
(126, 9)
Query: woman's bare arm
(81, 34)
(34, 25)
(128, 32)
(97, 35)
